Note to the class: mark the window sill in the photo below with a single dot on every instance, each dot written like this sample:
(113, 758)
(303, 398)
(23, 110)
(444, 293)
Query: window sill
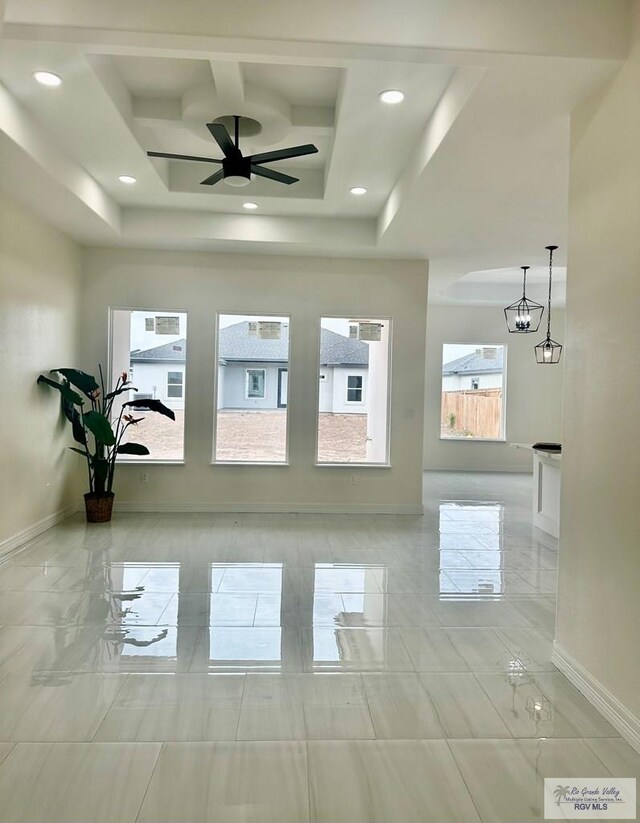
(149, 462)
(248, 463)
(473, 439)
(352, 465)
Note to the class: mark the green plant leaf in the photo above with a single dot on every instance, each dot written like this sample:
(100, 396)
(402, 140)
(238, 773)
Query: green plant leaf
(100, 427)
(73, 416)
(67, 393)
(77, 451)
(152, 405)
(81, 380)
(132, 448)
(120, 391)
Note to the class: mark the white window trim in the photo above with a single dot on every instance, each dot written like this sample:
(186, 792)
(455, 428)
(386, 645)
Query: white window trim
(262, 396)
(503, 428)
(387, 463)
(175, 385)
(360, 402)
(110, 323)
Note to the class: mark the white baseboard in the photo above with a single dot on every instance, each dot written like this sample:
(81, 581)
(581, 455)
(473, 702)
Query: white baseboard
(494, 468)
(14, 543)
(607, 704)
(267, 508)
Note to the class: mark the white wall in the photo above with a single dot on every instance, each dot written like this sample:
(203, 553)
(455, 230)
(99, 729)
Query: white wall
(598, 602)
(460, 382)
(306, 288)
(39, 324)
(234, 387)
(152, 378)
(533, 393)
(339, 403)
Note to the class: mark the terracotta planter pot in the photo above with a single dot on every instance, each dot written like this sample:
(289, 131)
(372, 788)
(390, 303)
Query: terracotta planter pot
(98, 507)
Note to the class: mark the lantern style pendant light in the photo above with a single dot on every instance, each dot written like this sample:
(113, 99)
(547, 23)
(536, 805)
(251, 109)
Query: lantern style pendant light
(548, 351)
(523, 316)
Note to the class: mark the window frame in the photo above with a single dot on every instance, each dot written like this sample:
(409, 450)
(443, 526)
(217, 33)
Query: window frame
(503, 417)
(359, 388)
(356, 317)
(177, 385)
(285, 317)
(247, 395)
(144, 460)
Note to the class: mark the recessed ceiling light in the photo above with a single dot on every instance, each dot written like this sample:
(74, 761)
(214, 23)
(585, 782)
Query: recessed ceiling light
(358, 190)
(47, 78)
(127, 178)
(250, 206)
(391, 96)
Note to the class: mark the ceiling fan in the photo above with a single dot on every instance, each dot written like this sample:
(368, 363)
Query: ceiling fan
(236, 168)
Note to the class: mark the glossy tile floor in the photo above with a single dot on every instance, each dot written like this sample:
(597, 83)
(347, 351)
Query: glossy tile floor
(201, 668)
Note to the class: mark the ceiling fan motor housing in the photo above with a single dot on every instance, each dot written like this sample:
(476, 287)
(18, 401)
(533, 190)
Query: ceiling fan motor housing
(236, 171)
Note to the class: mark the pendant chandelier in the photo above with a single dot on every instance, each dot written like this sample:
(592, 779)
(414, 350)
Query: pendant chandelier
(548, 351)
(523, 316)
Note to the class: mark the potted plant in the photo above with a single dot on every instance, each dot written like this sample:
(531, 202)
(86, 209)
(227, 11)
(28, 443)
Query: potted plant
(100, 441)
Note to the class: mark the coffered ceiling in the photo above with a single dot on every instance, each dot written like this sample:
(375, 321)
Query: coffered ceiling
(469, 171)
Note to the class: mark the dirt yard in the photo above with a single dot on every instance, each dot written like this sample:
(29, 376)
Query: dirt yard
(256, 436)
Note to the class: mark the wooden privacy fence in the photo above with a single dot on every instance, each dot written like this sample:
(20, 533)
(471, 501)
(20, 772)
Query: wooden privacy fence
(477, 412)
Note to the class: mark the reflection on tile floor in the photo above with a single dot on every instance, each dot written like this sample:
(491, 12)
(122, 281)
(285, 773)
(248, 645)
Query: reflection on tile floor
(353, 665)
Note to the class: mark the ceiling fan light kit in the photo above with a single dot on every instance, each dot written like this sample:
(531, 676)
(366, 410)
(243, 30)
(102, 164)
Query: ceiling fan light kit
(238, 169)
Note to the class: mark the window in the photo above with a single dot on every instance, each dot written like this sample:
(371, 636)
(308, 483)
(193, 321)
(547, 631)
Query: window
(354, 388)
(175, 381)
(255, 383)
(353, 391)
(251, 389)
(151, 347)
(473, 384)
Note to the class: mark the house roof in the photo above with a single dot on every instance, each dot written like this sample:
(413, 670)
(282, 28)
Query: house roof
(476, 363)
(174, 352)
(236, 345)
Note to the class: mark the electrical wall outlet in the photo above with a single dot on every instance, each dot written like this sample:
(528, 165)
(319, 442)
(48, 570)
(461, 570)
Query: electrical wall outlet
(353, 479)
(144, 477)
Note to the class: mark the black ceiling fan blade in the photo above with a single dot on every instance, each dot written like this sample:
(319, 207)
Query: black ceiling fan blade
(274, 175)
(283, 154)
(215, 178)
(183, 157)
(222, 138)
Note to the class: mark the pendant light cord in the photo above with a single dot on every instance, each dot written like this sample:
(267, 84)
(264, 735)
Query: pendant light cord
(549, 305)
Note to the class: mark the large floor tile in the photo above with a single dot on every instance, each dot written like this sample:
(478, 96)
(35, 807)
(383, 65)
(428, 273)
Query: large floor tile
(346, 649)
(506, 777)
(394, 610)
(59, 707)
(462, 707)
(481, 649)
(529, 648)
(543, 705)
(252, 648)
(42, 578)
(223, 782)
(75, 782)
(271, 709)
(413, 781)
(170, 707)
(617, 756)
(400, 707)
(18, 608)
(433, 650)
